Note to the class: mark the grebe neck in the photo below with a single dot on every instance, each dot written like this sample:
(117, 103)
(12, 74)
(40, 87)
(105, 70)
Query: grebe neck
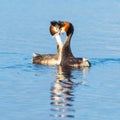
(58, 40)
(66, 51)
(59, 47)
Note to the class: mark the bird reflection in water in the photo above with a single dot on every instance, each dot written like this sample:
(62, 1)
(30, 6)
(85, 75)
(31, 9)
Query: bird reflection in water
(62, 93)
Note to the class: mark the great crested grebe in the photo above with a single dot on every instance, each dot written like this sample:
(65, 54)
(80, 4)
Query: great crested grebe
(51, 59)
(67, 57)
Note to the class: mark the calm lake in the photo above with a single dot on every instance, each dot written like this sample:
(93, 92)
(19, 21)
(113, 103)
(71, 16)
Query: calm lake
(37, 92)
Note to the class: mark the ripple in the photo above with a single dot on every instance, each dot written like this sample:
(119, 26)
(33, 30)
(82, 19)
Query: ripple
(96, 61)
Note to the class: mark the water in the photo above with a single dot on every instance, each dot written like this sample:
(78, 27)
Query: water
(37, 92)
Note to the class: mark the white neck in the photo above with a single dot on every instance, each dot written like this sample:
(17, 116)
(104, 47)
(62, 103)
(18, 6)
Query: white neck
(58, 39)
(60, 44)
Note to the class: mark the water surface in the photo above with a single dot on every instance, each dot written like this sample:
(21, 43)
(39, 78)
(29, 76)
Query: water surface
(36, 92)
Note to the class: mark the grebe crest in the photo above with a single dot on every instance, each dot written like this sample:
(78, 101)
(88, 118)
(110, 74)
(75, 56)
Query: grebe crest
(61, 27)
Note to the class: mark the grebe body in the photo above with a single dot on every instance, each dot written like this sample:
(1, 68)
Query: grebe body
(46, 59)
(68, 58)
(50, 59)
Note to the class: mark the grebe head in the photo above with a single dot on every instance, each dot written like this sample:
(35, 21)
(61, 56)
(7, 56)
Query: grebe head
(66, 27)
(61, 27)
(55, 27)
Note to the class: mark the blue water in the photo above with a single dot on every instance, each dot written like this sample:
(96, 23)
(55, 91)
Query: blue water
(36, 92)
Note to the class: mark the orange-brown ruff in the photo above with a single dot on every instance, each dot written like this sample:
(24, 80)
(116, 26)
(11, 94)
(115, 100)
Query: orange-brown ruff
(50, 59)
(67, 57)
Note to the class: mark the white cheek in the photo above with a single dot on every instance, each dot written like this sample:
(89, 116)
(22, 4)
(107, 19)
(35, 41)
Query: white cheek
(62, 30)
(56, 29)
